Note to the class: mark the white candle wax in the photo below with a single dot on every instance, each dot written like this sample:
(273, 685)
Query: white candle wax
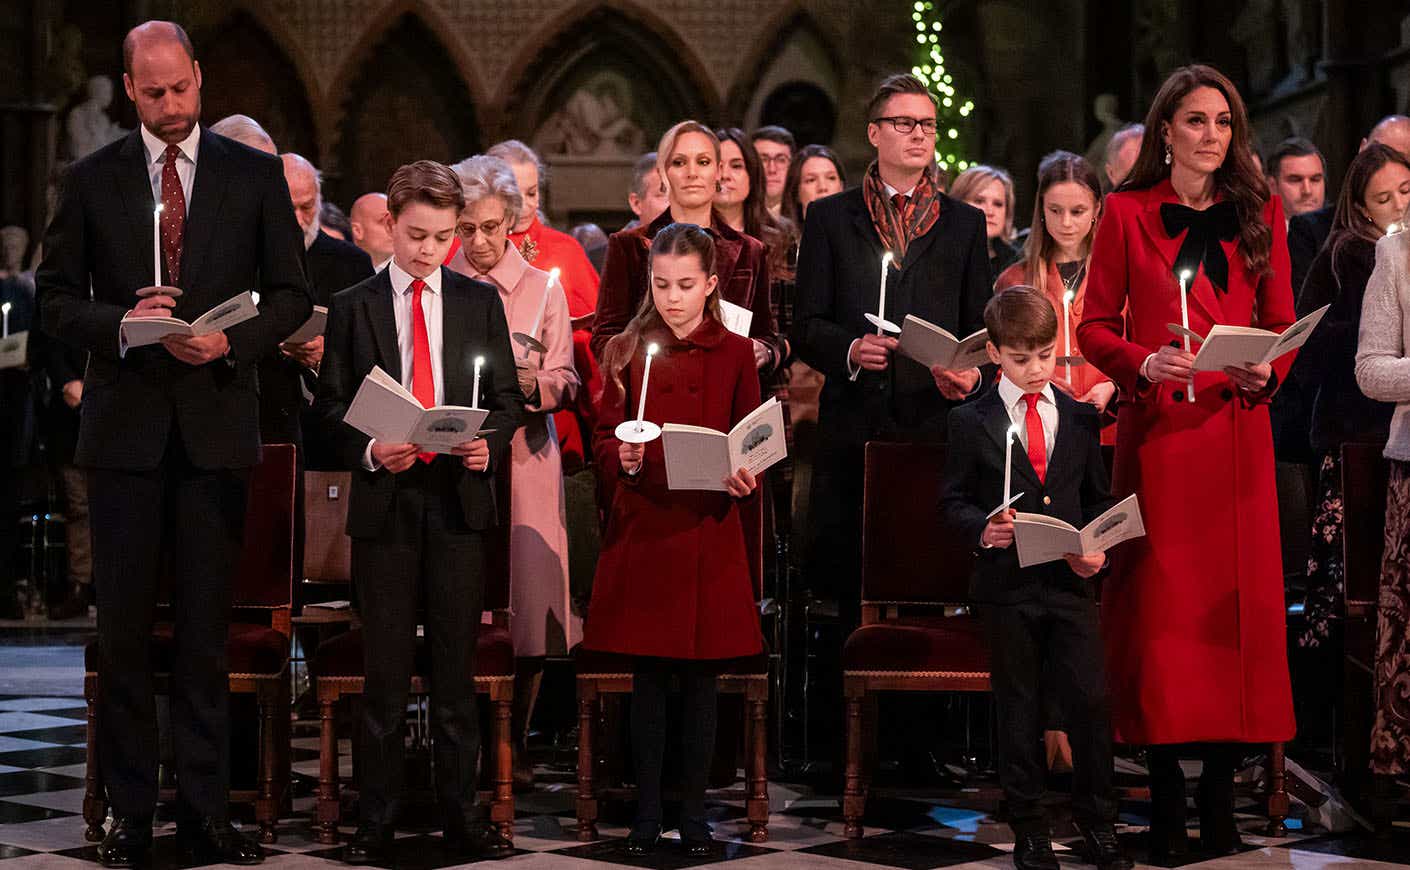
(157, 246)
(1185, 322)
(475, 391)
(1066, 333)
(881, 296)
(543, 303)
(645, 377)
(5, 313)
(1010, 437)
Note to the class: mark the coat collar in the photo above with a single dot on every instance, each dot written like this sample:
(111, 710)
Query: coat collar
(506, 274)
(710, 333)
(729, 242)
(1201, 292)
(995, 416)
(383, 318)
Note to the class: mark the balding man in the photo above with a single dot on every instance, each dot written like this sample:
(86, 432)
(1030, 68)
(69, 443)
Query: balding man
(169, 432)
(330, 265)
(371, 228)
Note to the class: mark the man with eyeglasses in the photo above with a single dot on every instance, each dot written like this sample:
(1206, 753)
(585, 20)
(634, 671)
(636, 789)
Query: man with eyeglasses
(775, 147)
(940, 272)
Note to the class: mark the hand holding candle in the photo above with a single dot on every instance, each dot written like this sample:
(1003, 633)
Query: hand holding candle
(475, 390)
(640, 430)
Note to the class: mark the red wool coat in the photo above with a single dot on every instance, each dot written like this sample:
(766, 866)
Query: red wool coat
(673, 579)
(1193, 613)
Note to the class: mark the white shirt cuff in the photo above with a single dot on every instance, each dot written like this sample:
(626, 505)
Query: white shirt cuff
(367, 461)
(852, 368)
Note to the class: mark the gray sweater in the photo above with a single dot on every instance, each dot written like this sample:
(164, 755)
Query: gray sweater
(1383, 347)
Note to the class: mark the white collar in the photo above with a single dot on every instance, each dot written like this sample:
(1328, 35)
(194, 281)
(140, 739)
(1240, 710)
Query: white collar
(1011, 394)
(156, 147)
(401, 279)
(891, 191)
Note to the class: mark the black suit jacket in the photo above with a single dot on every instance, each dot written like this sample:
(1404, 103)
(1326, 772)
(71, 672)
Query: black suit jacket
(1077, 488)
(945, 279)
(1290, 412)
(62, 363)
(362, 333)
(1307, 233)
(334, 265)
(240, 235)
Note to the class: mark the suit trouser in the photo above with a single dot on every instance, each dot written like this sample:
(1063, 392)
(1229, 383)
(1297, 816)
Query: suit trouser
(426, 556)
(1056, 637)
(188, 521)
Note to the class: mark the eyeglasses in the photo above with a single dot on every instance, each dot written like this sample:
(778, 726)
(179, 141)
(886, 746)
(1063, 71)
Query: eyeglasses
(775, 159)
(903, 124)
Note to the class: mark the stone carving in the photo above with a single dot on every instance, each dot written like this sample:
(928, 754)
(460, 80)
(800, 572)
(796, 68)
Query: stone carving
(88, 125)
(1104, 107)
(596, 121)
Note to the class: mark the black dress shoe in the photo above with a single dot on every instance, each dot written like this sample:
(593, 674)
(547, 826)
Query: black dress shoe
(643, 839)
(217, 842)
(1034, 852)
(1103, 848)
(477, 840)
(697, 839)
(370, 845)
(128, 843)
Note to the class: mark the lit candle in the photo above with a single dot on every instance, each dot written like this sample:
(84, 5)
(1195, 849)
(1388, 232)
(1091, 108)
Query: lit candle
(5, 313)
(475, 392)
(881, 301)
(543, 306)
(1009, 438)
(1066, 334)
(645, 376)
(157, 246)
(1185, 322)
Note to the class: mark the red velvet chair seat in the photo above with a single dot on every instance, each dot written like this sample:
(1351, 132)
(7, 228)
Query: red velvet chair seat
(251, 649)
(342, 656)
(950, 645)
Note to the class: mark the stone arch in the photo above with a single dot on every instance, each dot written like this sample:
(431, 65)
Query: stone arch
(787, 25)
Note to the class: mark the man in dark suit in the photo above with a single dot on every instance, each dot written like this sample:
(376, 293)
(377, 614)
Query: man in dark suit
(169, 432)
(1041, 620)
(940, 273)
(417, 519)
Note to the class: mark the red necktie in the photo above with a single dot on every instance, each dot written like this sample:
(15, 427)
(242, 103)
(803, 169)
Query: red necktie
(900, 201)
(423, 378)
(1037, 446)
(173, 215)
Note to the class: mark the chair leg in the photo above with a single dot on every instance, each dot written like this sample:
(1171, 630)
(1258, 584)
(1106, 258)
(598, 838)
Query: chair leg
(854, 796)
(329, 803)
(502, 809)
(95, 805)
(756, 802)
(267, 804)
(1277, 791)
(587, 795)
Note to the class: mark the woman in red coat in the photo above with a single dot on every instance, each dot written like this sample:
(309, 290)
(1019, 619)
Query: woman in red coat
(673, 585)
(1193, 614)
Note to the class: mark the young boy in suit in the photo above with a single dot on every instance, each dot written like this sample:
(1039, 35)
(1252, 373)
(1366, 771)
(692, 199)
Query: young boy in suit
(417, 519)
(1042, 618)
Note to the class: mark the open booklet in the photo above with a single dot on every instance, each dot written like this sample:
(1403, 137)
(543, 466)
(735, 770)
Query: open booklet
(1041, 538)
(14, 350)
(140, 331)
(385, 410)
(312, 328)
(1241, 345)
(736, 318)
(701, 458)
(931, 345)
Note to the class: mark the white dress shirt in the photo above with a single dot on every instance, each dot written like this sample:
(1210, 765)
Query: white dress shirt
(401, 307)
(1012, 397)
(185, 164)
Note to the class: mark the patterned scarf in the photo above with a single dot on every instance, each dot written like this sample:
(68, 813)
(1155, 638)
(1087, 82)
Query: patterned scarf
(898, 228)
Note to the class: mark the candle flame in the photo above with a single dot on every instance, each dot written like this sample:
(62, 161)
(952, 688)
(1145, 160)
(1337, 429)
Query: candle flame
(1394, 227)
(158, 209)
(886, 259)
(553, 274)
(5, 308)
(1013, 431)
(479, 361)
(1069, 296)
(652, 348)
(1186, 275)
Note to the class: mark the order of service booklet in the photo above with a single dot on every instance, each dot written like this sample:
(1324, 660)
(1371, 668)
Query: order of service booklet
(140, 331)
(1041, 538)
(930, 345)
(736, 318)
(312, 328)
(1241, 345)
(701, 458)
(385, 410)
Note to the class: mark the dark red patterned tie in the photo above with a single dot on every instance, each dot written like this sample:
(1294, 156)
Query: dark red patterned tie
(900, 200)
(173, 215)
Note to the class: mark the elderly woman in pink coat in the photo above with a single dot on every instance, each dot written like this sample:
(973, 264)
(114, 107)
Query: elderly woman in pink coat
(542, 621)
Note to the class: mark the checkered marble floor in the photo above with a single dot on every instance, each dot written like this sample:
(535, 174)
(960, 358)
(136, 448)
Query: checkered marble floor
(41, 792)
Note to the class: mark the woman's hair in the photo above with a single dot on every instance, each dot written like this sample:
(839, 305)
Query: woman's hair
(976, 177)
(1348, 221)
(668, 144)
(514, 151)
(1039, 250)
(757, 220)
(1238, 179)
(792, 209)
(675, 240)
(482, 176)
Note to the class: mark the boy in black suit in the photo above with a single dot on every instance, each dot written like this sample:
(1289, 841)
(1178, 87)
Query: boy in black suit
(417, 519)
(1041, 619)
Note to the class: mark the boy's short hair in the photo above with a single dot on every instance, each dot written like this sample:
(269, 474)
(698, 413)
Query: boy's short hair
(426, 181)
(776, 134)
(1020, 317)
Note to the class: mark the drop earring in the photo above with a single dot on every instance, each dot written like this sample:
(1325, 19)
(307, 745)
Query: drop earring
(1168, 155)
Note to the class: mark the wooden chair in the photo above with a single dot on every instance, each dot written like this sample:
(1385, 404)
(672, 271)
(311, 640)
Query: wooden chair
(913, 568)
(257, 648)
(601, 675)
(338, 671)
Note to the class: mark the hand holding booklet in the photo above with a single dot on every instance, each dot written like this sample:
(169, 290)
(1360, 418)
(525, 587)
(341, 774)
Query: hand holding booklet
(385, 410)
(701, 458)
(312, 328)
(1238, 346)
(140, 331)
(931, 346)
(1041, 538)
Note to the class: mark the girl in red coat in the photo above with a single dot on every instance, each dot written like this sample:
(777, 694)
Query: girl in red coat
(1193, 614)
(673, 585)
